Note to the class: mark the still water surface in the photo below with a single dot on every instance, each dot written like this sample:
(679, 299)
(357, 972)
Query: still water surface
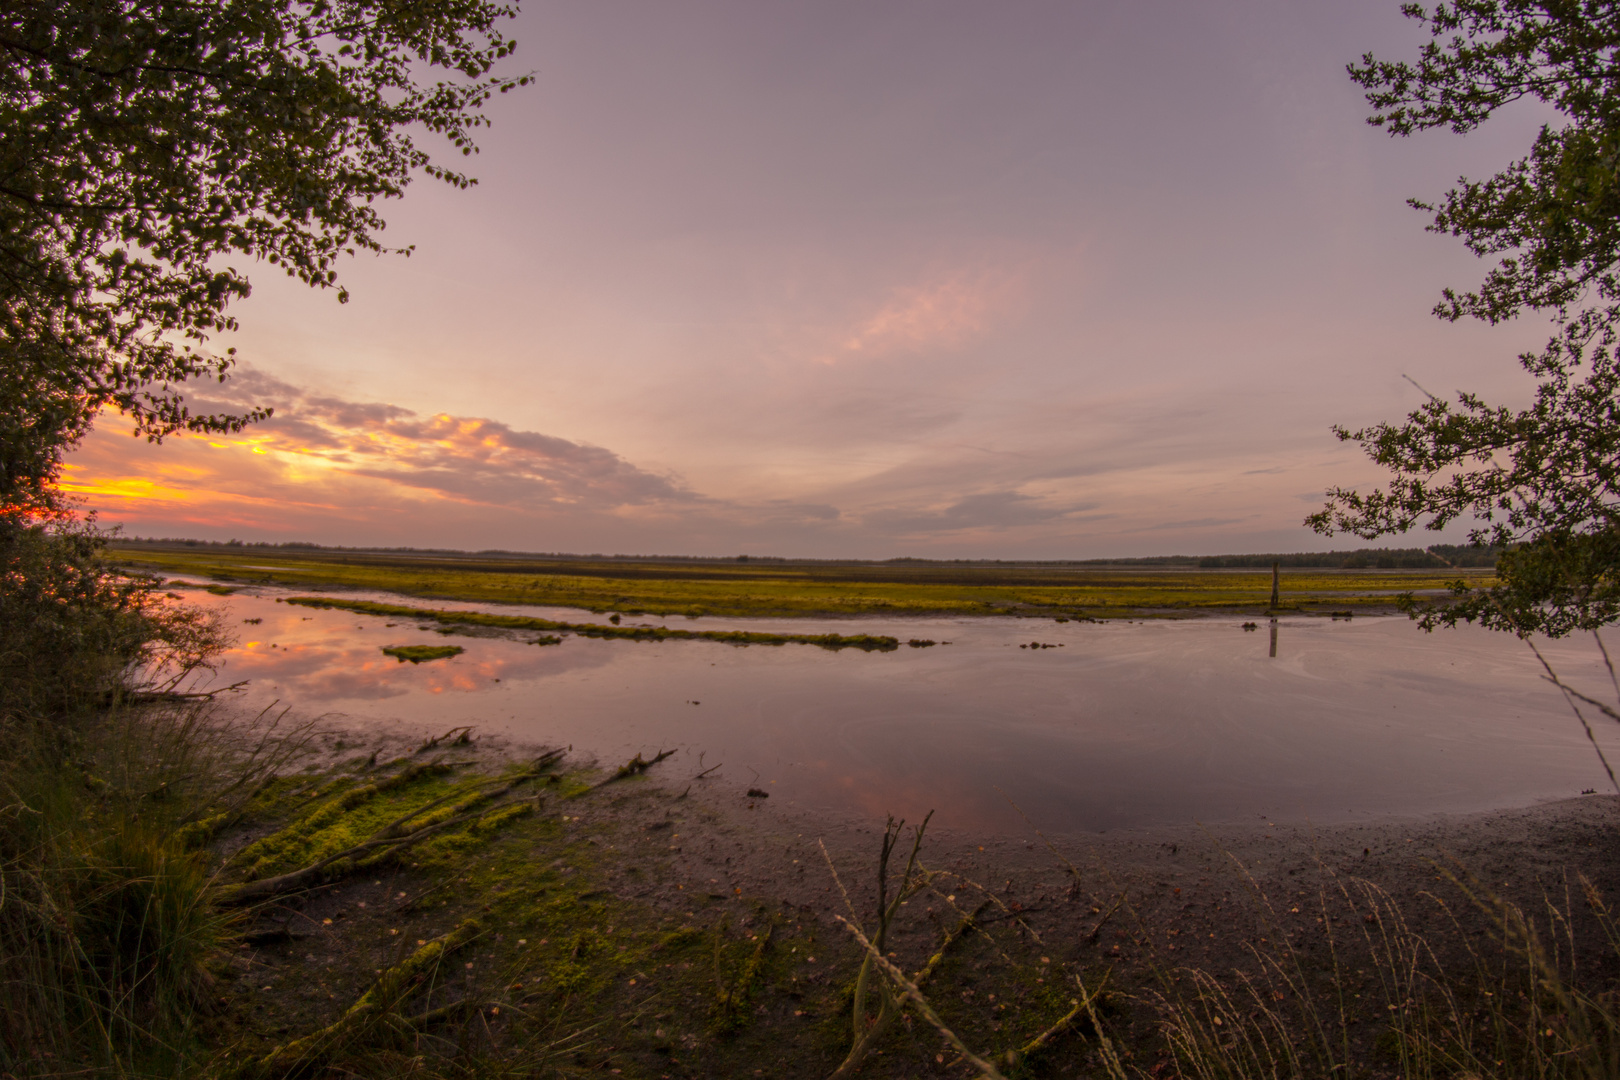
(1125, 725)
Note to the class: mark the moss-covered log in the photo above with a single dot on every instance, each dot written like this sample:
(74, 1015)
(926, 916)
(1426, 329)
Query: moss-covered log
(394, 986)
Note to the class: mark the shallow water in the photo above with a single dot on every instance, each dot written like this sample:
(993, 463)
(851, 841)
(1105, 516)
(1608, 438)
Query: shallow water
(1126, 725)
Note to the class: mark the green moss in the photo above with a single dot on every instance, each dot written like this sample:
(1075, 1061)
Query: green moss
(443, 850)
(417, 654)
(200, 832)
(342, 820)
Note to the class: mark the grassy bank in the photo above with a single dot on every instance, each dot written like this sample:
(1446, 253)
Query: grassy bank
(734, 588)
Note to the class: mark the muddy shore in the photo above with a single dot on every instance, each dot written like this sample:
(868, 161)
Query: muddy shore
(666, 925)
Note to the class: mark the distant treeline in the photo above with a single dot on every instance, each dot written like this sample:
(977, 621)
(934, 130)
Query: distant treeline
(1436, 556)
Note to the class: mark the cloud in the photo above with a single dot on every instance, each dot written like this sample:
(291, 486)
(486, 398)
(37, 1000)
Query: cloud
(457, 457)
(1115, 477)
(942, 316)
(987, 510)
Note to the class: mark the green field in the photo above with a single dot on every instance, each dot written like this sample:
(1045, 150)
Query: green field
(784, 588)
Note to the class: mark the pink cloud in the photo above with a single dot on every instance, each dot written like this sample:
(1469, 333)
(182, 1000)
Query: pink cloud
(942, 316)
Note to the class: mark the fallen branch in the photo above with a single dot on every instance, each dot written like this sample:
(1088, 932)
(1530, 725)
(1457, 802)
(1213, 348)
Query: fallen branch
(154, 697)
(464, 731)
(1081, 1004)
(962, 927)
(866, 1033)
(634, 767)
(386, 993)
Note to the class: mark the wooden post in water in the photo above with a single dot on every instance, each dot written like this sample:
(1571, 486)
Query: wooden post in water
(1275, 575)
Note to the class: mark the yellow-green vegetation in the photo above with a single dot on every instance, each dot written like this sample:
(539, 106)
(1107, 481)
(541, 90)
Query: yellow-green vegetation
(732, 588)
(418, 654)
(866, 642)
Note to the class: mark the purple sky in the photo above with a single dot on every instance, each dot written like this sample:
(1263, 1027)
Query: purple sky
(1041, 280)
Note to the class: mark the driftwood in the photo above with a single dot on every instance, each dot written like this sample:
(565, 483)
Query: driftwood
(463, 737)
(392, 987)
(635, 767)
(162, 697)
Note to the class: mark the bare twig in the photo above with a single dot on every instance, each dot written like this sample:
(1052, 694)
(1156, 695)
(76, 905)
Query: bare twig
(909, 990)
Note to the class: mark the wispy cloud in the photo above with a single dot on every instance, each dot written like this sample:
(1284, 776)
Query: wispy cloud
(942, 315)
(992, 510)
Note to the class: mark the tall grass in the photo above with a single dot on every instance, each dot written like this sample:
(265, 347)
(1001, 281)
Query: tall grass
(106, 932)
(1498, 991)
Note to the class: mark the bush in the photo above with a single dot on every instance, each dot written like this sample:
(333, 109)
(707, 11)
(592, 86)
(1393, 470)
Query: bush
(105, 924)
(74, 635)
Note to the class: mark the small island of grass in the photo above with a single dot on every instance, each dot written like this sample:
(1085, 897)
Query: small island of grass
(417, 654)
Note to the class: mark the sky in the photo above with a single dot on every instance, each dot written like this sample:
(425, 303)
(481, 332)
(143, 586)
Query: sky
(849, 280)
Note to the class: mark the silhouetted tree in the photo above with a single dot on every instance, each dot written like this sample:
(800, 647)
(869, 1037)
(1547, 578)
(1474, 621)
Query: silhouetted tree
(1541, 481)
(144, 142)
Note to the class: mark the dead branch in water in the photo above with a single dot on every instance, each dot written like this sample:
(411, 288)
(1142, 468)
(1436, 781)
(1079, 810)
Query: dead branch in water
(634, 767)
(463, 733)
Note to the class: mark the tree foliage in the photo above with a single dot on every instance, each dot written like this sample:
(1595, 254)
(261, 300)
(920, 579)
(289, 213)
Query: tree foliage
(147, 145)
(1544, 481)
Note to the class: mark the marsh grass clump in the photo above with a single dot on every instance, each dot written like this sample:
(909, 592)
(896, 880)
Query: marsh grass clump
(1493, 991)
(421, 654)
(453, 619)
(110, 942)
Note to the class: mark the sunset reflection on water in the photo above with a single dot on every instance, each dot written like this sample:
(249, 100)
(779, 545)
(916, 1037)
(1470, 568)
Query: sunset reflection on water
(1117, 725)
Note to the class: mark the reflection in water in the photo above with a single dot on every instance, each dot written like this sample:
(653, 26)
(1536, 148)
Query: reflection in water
(1125, 725)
